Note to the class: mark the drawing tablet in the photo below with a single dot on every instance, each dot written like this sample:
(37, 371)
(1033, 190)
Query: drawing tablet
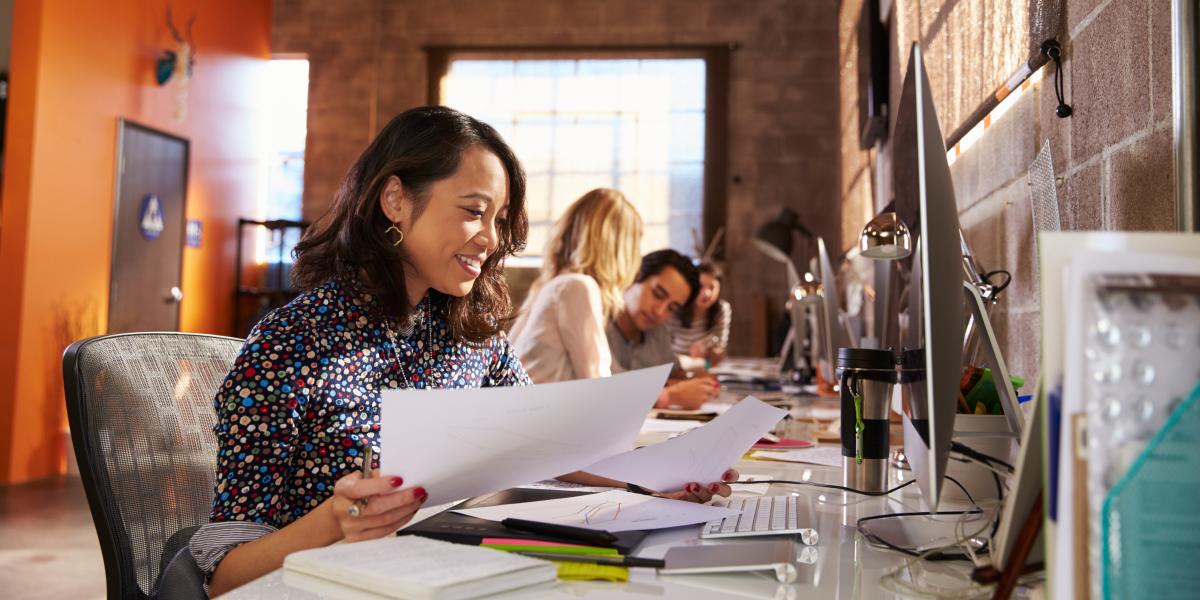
(454, 527)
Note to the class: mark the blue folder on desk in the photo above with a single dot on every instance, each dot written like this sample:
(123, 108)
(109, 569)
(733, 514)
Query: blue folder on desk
(462, 529)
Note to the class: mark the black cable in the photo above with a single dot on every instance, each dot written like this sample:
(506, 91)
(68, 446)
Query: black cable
(996, 289)
(979, 456)
(1053, 51)
(935, 556)
(826, 485)
(963, 490)
(871, 537)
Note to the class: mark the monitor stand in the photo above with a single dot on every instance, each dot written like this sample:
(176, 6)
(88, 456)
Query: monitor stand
(995, 360)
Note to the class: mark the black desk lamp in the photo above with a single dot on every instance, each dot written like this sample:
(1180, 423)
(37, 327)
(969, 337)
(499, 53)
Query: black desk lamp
(774, 238)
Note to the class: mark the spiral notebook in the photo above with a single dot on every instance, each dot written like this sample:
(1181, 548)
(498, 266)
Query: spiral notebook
(416, 567)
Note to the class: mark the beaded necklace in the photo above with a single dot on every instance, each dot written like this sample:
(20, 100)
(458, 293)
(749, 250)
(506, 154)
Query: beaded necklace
(425, 315)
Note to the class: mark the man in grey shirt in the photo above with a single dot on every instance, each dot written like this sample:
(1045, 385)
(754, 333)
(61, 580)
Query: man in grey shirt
(639, 338)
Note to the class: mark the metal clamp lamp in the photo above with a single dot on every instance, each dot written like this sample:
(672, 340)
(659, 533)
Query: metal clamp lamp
(885, 237)
(774, 238)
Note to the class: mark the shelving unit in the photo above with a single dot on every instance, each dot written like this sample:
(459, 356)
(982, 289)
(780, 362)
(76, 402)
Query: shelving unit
(273, 289)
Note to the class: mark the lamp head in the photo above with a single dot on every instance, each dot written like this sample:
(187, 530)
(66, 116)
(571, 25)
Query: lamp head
(774, 238)
(885, 237)
(807, 292)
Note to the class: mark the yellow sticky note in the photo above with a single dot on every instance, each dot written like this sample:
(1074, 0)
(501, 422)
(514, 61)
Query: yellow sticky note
(581, 571)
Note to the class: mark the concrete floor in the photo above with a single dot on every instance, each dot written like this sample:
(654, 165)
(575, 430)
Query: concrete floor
(48, 547)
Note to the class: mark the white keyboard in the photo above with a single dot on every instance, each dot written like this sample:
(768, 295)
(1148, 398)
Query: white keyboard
(765, 515)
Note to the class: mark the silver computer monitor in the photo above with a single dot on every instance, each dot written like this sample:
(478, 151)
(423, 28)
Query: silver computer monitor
(832, 334)
(933, 337)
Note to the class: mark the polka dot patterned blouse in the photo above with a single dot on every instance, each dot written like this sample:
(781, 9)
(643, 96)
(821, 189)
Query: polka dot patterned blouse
(302, 400)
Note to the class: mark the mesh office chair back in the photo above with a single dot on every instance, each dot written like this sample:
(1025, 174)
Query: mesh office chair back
(141, 415)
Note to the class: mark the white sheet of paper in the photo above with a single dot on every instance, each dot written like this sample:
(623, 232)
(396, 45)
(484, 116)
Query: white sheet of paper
(700, 455)
(758, 489)
(459, 443)
(617, 510)
(822, 413)
(669, 425)
(830, 456)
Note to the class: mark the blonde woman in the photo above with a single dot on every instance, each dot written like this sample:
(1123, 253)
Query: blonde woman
(592, 256)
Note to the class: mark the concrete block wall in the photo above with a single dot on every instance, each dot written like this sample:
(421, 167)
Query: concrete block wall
(1112, 159)
(367, 65)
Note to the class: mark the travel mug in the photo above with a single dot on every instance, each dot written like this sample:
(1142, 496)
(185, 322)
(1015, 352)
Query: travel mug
(866, 378)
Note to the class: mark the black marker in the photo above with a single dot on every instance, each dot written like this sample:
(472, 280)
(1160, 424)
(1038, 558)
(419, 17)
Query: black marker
(601, 559)
(591, 536)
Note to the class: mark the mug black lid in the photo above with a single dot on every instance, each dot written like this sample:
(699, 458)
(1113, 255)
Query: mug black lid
(866, 358)
(912, 359)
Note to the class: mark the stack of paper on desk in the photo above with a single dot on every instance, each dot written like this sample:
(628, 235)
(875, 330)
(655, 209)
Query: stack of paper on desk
(415, 567)
(830, 456)
(459, 443)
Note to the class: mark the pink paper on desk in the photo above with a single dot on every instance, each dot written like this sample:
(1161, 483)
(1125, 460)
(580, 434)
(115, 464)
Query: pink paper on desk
(784, 443)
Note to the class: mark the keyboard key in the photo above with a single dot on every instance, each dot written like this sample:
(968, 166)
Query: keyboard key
(779, 510)
(762, 518)
(729, 524)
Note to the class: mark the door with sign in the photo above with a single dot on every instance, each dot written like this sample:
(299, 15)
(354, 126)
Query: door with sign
(148, 233)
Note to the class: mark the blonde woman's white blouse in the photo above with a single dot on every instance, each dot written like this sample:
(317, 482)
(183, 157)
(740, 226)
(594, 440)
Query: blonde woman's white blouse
(560, 335)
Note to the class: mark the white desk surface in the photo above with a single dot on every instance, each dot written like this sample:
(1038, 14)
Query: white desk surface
(842, 565)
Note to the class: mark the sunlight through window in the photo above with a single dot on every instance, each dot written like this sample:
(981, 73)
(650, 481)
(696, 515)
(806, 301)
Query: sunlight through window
(634, 125)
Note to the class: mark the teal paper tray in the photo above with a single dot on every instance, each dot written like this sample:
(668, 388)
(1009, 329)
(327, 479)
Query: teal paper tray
(1150, 520)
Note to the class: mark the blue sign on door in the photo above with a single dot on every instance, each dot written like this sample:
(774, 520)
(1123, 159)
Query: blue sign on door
(150, 219)
(194, 232)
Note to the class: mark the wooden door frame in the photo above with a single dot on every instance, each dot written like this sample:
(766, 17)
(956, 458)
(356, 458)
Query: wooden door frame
(119, 170)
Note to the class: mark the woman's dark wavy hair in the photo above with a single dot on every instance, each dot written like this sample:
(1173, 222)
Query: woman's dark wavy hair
(419, 146)
(710, 314)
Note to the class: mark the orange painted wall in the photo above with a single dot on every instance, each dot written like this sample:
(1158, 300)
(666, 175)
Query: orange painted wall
(77, 67)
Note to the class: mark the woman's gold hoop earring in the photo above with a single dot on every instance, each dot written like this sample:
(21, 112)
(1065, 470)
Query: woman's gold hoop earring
(398, 232)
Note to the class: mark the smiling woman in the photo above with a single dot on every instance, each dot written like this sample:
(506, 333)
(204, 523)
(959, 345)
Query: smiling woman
(437, 201)
(402, 289)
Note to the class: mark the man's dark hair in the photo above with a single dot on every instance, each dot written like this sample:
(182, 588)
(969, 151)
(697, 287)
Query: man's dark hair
(420, 146)
(655, 262)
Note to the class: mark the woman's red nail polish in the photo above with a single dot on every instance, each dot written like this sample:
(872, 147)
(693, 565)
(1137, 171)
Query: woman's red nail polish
(420, 494)
(727, 475)
(397, 482)
(693, 487)
(714, 487)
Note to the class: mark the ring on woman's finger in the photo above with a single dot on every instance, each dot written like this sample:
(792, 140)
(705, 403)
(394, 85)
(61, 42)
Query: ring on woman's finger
(355, 509)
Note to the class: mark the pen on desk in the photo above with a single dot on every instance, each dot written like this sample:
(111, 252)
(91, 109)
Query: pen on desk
(581, 534)
(616, 561)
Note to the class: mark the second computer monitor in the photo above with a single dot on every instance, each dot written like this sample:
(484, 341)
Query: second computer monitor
(833, 334)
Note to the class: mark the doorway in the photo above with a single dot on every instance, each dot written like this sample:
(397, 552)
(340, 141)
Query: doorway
(148, 232)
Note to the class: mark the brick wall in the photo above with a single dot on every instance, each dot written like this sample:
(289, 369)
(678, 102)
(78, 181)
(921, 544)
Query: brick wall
(367, 65)
(1112, 159)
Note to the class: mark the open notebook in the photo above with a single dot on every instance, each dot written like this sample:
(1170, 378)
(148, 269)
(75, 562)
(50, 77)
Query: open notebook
(416, 567)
